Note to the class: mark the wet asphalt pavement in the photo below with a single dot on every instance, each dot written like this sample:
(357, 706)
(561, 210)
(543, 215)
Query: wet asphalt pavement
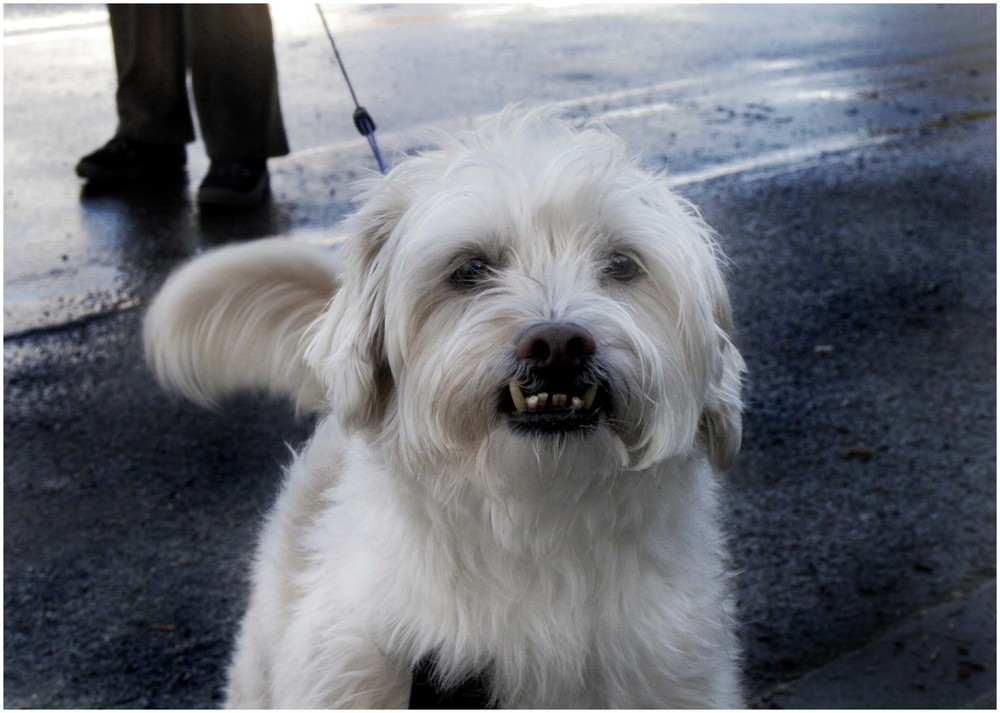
(845, 154)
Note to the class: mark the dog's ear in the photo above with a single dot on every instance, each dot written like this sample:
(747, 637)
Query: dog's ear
(347, 343)
(722, 420)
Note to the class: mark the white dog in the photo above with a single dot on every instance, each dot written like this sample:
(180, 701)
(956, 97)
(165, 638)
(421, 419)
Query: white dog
(527, 386)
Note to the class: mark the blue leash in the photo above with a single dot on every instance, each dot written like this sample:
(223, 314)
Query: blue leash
(363, 121)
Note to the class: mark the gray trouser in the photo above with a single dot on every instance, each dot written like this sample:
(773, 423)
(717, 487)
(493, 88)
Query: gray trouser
(233, 76)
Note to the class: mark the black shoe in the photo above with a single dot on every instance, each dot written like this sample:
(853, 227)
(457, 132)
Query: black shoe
(236, 183)
(122, 160)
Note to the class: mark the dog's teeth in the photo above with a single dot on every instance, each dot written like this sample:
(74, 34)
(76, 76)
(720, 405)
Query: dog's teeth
(517, 396)
(543, 400)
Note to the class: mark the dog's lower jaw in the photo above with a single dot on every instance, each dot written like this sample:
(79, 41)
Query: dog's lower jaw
(543, 425)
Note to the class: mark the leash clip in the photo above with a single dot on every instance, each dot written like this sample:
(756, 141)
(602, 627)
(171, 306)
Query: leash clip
(363, 121)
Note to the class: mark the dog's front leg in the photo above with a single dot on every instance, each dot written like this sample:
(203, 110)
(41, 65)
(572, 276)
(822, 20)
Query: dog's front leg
(249, 675)
(338, 666)
(310, 655)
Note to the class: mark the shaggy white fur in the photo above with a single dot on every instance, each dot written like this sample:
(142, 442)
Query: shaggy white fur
(567, 546)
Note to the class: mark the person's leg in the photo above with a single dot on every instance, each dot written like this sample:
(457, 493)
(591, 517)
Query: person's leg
(152, 89)
(235, 81)
(154, 121)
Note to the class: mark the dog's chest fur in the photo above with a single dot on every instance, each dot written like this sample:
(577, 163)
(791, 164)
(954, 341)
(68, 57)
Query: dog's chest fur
(563, 598)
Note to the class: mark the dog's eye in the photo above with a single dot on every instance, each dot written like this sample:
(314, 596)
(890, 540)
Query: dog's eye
(622, 268)
(470, 274)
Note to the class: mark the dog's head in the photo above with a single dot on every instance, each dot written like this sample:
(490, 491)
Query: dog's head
(528, 288)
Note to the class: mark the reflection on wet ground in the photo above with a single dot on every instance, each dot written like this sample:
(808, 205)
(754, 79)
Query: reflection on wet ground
(705, 91)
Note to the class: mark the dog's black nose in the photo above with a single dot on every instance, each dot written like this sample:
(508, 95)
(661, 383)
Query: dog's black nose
(556, 345)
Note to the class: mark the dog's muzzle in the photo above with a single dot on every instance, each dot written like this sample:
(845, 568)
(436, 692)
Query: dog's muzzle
(555, 389)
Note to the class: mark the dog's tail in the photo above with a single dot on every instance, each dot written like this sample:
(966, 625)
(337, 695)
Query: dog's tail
(237, 319)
